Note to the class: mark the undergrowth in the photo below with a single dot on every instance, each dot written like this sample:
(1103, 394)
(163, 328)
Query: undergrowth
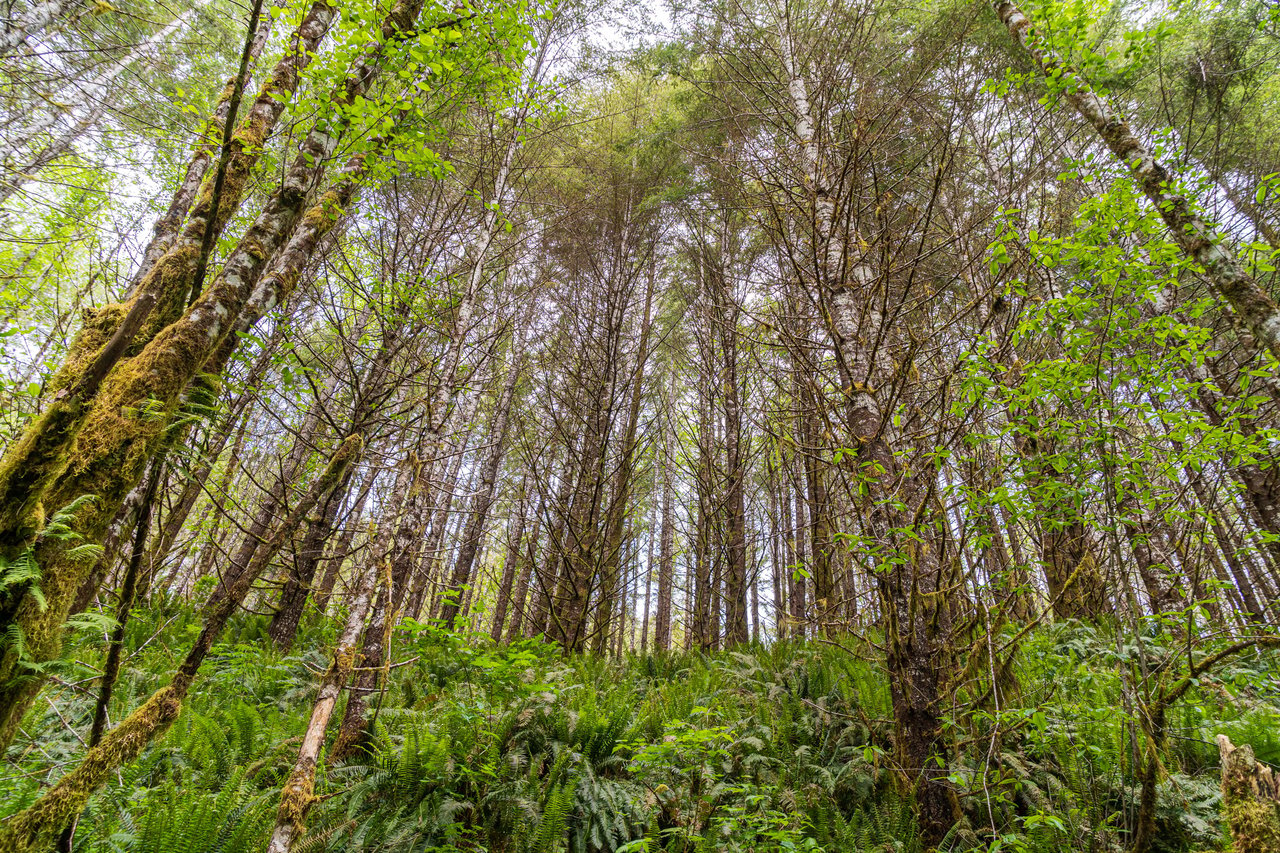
(513, 749)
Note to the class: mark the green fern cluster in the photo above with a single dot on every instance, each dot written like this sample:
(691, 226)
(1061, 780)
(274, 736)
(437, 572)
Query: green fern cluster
(521, 750)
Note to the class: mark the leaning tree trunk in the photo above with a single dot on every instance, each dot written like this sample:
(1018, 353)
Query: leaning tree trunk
(299, 789)
(1200, 240)
(39, 822)
(33, 465)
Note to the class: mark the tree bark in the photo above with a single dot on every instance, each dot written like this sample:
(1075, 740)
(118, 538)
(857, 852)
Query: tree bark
(298, 794)
(1199, 240)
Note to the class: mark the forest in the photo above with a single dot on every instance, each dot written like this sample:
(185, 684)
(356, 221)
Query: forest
(606, 427)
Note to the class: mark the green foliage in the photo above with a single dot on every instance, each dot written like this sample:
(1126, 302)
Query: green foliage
(519, 749)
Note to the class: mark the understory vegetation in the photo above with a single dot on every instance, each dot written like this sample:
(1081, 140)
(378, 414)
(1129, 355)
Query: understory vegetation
(476, 747)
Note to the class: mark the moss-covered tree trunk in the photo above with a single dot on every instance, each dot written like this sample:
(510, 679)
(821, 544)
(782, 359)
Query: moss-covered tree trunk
(1201, 241)
(34, 465)
(37, 825)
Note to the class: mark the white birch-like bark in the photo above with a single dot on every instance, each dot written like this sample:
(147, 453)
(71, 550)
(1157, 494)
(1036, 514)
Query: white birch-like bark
(84, 101)
(33, 23)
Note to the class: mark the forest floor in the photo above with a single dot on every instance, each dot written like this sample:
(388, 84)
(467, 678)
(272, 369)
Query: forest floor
(779, 747)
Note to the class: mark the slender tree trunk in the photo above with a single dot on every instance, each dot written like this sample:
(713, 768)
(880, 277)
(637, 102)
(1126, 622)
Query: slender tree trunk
(298, 794)
(283, 627)
(509, 564)
(521, 597)
(799, 581)
(342, 549)
(666, 550)
(482, 502)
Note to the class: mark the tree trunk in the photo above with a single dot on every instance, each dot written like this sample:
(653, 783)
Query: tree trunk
(1198, 239)
(913, 590)
(40, 15)
(515, 534)
(298, 794)
(482, 502)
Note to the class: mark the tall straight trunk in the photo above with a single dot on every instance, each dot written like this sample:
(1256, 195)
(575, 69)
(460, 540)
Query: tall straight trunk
(1199, 240)
(735, 575)
(819, 511)
(570, 611)
(547, 575)
(666, 550)
(753, 583)
(510, 562)
(648, 582)
(482, 502)
(799, 581)
(521, 597)
(897, 512)
(620, 500)
(778, 511)
(702, 545)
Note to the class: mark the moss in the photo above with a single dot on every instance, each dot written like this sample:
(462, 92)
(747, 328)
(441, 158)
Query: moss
(39, 823)
(298, 795)
(97, 327)
(1250, 799)
(28, 471)
(324, 213)
(120, 433)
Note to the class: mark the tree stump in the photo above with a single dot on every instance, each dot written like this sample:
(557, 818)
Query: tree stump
(1251, 799)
